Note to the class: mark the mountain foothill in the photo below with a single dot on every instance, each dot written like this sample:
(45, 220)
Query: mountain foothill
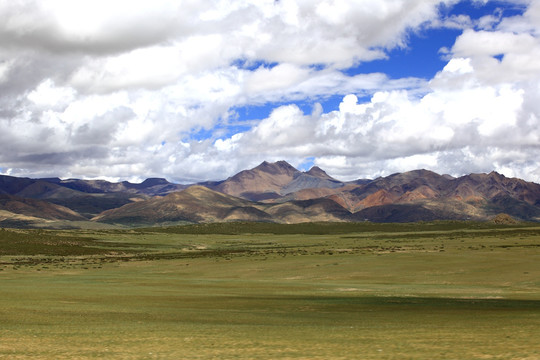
(271, 192)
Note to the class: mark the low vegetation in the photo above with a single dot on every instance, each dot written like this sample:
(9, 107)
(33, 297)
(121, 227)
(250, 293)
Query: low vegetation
(453, 290)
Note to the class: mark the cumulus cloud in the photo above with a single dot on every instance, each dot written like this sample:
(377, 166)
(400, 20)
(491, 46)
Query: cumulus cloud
(442, 131)
(479, 114)
(89, 27)
(121, 89)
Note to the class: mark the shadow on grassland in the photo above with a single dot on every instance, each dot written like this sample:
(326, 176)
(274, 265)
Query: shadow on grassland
(325, 228)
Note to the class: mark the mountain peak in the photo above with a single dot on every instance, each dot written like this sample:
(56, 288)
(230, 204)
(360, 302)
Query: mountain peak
(495, 174)
(278, 167)
(154, 181)
(317, 172)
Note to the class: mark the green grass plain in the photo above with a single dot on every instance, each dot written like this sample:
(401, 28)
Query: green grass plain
(446, 290)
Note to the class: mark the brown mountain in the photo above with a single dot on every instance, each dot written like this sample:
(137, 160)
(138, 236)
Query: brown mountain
(275, 192)
(150, 186)
(200, 204)
(86, 197)
(322, 209)
(273, 181)
(474, 196)
(195, 204)
(381, 197)
(317, 172)
(19, 211)
(262, 182)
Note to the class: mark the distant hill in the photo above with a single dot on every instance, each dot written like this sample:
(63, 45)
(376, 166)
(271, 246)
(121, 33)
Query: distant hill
(195, 204)
(86, 197)
(200, 204)
(272, 192)
(19, 211)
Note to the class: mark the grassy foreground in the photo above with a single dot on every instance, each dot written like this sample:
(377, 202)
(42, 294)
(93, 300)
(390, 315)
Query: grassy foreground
(243, 291)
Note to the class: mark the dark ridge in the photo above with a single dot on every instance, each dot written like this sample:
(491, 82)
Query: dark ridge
(153, 182)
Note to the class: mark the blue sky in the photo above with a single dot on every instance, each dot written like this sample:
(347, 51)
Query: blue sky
(421, 57)
(195, 91)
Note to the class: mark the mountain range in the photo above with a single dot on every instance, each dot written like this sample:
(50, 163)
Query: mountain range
(270, 192)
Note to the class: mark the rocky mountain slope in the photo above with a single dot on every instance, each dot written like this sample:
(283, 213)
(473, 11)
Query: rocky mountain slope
(200, 204)
(270, 181)
(273, 192)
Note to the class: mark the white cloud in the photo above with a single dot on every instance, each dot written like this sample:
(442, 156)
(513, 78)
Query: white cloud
(529, 22)
(464, 122)
(5, 65)
(118, 88)
(489, 43)
(279, 77)
(47, 95)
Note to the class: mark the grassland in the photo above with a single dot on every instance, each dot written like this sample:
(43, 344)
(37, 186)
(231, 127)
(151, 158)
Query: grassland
(449, 290)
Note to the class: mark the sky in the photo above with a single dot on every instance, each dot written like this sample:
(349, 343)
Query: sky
(194, 90)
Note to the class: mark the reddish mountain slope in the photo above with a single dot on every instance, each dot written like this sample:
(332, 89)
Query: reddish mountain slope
(263, 181)
(273, 181)
(475, 196)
